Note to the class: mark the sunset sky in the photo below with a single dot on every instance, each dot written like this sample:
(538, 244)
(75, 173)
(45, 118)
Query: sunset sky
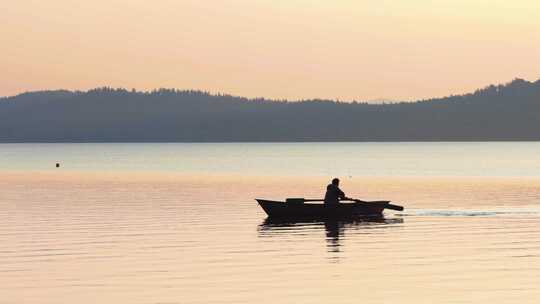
(344, 49)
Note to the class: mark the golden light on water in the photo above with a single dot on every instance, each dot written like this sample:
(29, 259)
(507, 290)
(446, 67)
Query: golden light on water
(120, 237)
(178, 223)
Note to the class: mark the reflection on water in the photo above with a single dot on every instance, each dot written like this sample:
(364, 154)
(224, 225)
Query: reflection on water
(106, 234)
(158, 238)
(334, 230)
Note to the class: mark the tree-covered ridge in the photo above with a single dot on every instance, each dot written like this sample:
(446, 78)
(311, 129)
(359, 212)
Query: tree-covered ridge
(503, 112)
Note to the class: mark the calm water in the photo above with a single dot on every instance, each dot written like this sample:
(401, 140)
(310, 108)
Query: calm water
(177, 223)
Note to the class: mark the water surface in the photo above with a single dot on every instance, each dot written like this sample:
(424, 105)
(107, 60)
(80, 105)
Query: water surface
(177, 223)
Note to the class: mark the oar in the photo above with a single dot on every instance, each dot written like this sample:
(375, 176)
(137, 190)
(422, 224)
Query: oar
(303, 200)
(394, 207)
(300, 200)
(386, 206)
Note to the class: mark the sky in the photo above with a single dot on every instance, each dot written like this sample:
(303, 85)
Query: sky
(282, 49)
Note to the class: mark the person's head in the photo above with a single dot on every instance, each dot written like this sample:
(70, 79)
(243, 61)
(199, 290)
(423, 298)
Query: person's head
(335, 181)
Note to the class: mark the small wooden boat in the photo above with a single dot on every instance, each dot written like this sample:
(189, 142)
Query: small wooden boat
(298, 208)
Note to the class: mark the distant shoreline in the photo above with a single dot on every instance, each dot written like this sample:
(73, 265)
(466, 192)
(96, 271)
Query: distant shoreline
(509, 112)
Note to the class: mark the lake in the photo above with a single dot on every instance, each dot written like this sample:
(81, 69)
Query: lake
(178, 223)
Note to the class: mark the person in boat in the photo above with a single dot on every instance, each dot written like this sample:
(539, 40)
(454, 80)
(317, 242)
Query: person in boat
(333, 193)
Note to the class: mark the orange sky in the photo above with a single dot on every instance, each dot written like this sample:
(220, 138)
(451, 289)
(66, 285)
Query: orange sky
(345, 49)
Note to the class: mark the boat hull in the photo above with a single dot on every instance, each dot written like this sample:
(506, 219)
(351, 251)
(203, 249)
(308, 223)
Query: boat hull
(276, 209)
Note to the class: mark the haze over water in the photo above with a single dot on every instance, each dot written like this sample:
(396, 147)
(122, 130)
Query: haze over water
(177, 223)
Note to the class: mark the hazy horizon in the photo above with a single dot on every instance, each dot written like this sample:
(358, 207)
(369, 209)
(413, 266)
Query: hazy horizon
(502, 112)
(347, 50)
(371, 101)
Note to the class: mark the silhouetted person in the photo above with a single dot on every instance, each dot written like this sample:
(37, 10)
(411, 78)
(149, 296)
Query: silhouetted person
(333, 193)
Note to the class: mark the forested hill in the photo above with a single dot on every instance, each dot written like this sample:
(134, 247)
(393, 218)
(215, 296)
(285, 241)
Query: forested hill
(504, 112)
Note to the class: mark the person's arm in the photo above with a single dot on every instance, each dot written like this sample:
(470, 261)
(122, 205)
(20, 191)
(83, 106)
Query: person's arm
(341, 194)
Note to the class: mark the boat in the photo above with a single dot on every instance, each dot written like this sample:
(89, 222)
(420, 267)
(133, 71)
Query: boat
(304, 208)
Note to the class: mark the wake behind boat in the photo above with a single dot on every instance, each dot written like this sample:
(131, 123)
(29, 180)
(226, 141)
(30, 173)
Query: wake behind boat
(306, 208)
